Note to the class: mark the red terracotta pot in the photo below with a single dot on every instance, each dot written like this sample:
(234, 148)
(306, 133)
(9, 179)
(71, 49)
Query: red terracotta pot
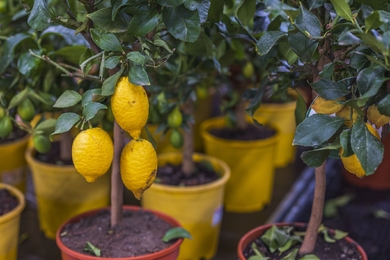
(256, 232)
(169, 253)
(380, 180)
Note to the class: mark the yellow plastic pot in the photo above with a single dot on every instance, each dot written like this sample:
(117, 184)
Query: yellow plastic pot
(62, 193)
(282, 116)
(198, 208)
(9, 226)
(251, 163)
(163, 141)
(13, 166)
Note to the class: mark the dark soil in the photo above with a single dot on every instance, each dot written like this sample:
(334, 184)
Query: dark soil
(358, 218)
(251, 133)
(341, 249)
(172, 175)
(7, 202)
(53, 156)
(16, 134)
(139, 233)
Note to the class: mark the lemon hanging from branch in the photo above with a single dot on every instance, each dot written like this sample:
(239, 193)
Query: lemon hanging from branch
(130, 107)
(327, 107)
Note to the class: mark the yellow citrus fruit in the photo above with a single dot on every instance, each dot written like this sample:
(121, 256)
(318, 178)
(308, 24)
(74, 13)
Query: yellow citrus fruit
(375, 117)
(130, 107)
(92, 153)
(348, 113)
(138, 166)
(327, 107)
(352, 163)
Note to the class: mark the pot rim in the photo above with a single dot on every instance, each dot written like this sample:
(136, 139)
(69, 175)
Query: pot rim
(163, 252)
(30, 151)
(16, 142)
(21, 203)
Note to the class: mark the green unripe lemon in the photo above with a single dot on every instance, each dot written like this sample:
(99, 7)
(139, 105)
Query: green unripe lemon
(248, 70)
(26, 110)
(177, 139)
(175, 118)
(41, 143)
(5, 127)
(2, 112)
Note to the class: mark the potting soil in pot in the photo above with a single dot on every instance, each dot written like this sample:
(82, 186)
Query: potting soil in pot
(252, 132)
(7, 202)
(340, 249)
(53, 156)
(139, 233)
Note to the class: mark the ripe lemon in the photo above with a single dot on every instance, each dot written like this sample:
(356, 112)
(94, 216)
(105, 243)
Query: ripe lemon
(352, 163)
(375, 117)
(348, 113)
(138, 166)
(130, 107)
(327, 107)
(92, 153)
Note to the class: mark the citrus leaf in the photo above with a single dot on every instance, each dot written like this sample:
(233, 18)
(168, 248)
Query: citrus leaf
(315, 3)
(327, 72)
(150, 137)
(292, 255)
(345, 141)
(91, 109)
(28, 64)
(92, 249)
(374, 4)
(287, 52)
(18, 98)
(342, 9)
(47, 126)
(267, 41)
(109, 84)
(102, 18)
(329, 89)
(112, 62)
(384, 106)
(300, 110)
(176, 232)
(302, 46)
(106, 41)
(71, 53)
(308, 22)
(369, 81)
(170, 3)
(138, 75)
(116, 7)
(143, 21)
(274, 238)
(8, 49)
(315, 158)
(88, 96)
(255, 102)
(338, 234)
(64, 123)
(376, 19)
(67, 99)
(246, 11)
(39, 18)
(137, 57)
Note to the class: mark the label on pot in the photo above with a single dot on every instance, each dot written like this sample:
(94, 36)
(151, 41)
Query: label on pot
(217, 216)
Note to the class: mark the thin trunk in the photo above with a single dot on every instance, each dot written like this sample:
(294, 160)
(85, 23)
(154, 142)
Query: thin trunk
(116, 181)
(66, 146)
(241, 114)
(188, 146)
(316, 212)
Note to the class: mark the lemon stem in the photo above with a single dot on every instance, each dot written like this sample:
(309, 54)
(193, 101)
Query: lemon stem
(188, 146)
(66, 146)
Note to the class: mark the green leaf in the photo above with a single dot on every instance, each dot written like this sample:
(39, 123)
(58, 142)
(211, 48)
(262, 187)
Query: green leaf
(106, 41)
(327, 72)
(137, 57)
(338, 234)
(315, 158)
(255, 102)
(116, 6)
(274, 238)
(348, 38)
(384, 106)
(300, 110)
(316, 130)
(369, 81)
(102, 18)
(292, 255)
(47, 126)
(112, 62)
(67, 99)
(90, 110)
(150, 137)
(144, 21)
(109, 84)
(292, 241)
(329, 89)
(313, 4)
(375, 4)
(302, 46)
(39, 18)
(28, 64)
(88, 96)
(92, 249)
(267, 41)
(345, 142)
(215, 11)
(342, 9)
(246, 11)
(258, 257)
(308, 22)
(376, 19)
(380, 213)
(138, 75)
(310, 257)
(170, 3)
(64, 123)
(176, 232)
(71, 53)
(287, 52)
(331, 206)
(182, 23)
(368, 149)
(18, 98)
(8, 48)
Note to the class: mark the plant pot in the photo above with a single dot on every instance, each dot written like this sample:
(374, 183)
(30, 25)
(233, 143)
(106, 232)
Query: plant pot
(62, 193)
(252, 167)
(198, 208)
(169, 253)
(380, 180)
(163, 141)
(13, 166)
(282, 116)
(9, 226)
(256, 232)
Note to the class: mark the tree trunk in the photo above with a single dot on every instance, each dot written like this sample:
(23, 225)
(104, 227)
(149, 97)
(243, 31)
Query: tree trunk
(66, 146)
(241, 114)
(188, 146)
(116, 180)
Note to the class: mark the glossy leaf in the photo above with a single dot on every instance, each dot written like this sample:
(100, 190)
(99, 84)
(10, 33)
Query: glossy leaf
(345, 142)
(144, 21)
(112, 62)
(215, 11)
(308, 22)
(348, 38)
(302, 46)
(313, 4)
(369, 80)
(376, 19)
(90, 110)
(176, 232)
(106, 41)
(109, 84)
(182, 23)
(67, 99)
(246, 11)
(39, 18)
(116, 6)
(315, 158)
(316, 130)
(267, 41)
(255, 102)
(300, 110)
(368, 148)
(47, 126)
(28, 64)
(150, 136)
(138, 75)
(8, 48)
(170, 3)
(92, 249)
(342, 9)
(137, 57)
(329, 89)
(18, 98)
(203, 9)
(384, 106)
(375, 4)
(88, 96)
(287, 52)
(274, 238)
(64, 123)
(102, 18)
(71, 53)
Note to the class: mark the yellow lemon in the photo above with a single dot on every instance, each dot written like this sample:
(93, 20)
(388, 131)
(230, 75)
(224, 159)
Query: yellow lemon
(92, 153)
(348, 113)
(138, 166)
(327, 107)
(375, 117)
(352, 163)
(130, 107)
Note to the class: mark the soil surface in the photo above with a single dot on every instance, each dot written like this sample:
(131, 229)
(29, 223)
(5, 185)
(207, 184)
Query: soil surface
(139, 233)
(341, 249)
(172, 175)
(366, 218)
(53, 156)
(16, 134)
(252, 132)
(7, 202)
